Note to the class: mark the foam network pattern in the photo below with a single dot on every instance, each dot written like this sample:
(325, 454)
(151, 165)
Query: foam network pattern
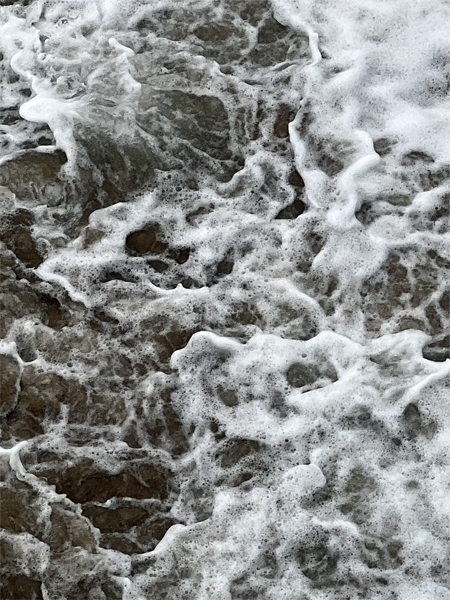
(225, 300)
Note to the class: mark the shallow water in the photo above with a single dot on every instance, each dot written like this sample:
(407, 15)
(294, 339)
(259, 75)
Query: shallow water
(225, 300)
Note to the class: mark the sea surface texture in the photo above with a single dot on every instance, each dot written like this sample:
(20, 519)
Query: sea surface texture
(225, 294)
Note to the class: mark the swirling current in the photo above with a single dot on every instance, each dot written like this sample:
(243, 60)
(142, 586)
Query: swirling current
(225, 299)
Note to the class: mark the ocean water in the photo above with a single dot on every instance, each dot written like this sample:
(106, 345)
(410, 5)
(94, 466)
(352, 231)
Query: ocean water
(225, 300)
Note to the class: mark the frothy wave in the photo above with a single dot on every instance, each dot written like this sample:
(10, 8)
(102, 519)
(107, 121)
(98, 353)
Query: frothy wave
(225, 294)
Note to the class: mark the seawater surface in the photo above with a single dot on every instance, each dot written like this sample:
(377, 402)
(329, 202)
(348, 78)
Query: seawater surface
(225, 300)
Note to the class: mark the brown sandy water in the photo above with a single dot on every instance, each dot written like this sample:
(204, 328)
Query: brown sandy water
(225, 313)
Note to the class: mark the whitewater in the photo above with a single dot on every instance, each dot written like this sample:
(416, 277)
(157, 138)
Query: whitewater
(225, 298)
